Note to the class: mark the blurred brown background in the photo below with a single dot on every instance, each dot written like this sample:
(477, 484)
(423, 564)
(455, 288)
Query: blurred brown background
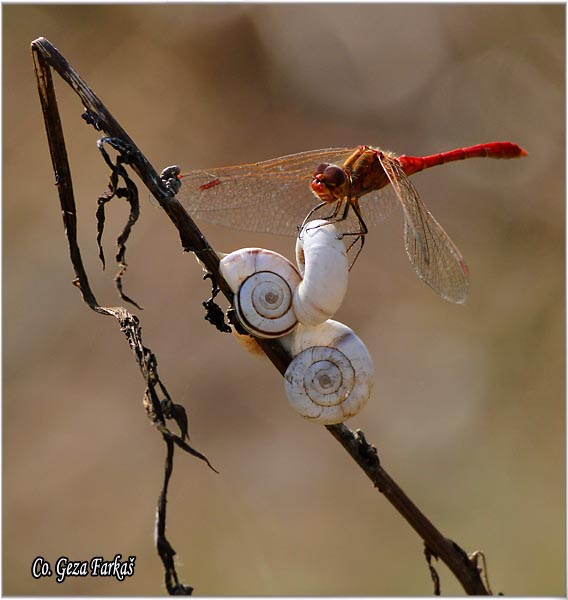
(468, 407)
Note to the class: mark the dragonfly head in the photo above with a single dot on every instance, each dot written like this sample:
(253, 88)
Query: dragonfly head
(329, 182)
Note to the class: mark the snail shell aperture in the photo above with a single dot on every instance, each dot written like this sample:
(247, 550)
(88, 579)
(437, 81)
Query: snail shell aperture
(330, 378)
(264, 283)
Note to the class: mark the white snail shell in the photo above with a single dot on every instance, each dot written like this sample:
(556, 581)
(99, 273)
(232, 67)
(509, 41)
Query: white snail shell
(323, 263)
(264, 283)
(330, 378)
(270, 294)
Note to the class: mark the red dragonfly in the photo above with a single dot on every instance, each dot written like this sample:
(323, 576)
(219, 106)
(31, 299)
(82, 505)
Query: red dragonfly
(274, 196)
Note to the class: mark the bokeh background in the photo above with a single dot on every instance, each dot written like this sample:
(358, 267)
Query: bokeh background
(468, 411)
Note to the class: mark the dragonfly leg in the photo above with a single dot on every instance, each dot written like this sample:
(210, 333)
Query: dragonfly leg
(357, 211)
(309, 215)
(339, 214)
(361, 240)
(359, 235)
(332, 218)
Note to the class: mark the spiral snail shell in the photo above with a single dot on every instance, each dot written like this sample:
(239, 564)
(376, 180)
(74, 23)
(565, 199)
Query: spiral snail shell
(330, 378)
(264, 283)
(272, 296)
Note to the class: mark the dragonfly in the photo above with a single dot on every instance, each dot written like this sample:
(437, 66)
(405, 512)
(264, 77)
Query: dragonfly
(353, 188)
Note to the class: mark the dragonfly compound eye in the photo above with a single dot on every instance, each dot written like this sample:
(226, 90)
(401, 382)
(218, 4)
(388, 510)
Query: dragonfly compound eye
(321, 168)
(334, 176)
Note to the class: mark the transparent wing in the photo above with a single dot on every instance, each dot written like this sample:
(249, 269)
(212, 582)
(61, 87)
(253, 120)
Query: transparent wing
(378, 205)
(432, 253)
(272, 196)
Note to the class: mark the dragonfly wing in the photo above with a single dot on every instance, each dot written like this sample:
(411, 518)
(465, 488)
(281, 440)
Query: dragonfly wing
(272, 196)
(432, 253)
(378, 205)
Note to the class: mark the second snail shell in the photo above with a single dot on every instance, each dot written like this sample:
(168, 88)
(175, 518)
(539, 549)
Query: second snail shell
(330, 378)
